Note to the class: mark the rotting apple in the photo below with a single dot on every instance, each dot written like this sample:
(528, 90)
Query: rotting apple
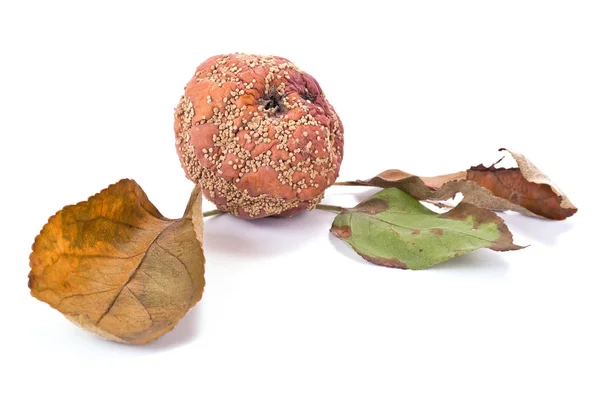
(258, 135)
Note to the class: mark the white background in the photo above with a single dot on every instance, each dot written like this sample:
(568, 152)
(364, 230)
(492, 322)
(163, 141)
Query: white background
(87, 92)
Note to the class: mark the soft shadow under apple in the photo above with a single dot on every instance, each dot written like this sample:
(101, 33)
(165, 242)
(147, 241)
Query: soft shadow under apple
(239, 238)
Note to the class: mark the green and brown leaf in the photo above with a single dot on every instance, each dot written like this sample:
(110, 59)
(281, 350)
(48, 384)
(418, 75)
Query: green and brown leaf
(394, 230)
(115, 266)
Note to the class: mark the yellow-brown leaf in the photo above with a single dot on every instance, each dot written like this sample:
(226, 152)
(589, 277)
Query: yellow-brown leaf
(115, 266)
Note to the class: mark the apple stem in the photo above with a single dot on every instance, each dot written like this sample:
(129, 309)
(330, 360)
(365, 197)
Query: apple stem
(327, 207)
(349, 184)
(212, 213)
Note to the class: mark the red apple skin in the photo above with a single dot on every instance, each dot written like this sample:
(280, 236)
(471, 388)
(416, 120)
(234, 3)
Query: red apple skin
(258, 135)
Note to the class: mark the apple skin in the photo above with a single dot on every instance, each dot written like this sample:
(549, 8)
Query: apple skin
(258, 135)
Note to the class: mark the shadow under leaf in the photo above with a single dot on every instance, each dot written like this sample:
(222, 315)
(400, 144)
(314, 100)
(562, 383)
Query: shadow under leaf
(536, 229)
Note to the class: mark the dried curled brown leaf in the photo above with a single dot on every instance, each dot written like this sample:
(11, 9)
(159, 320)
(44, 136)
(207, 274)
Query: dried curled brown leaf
(115, 266)
(524, 189)
(526, 186)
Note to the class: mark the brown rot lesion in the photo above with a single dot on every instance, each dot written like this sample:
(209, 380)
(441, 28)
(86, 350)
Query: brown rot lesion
(308, 96)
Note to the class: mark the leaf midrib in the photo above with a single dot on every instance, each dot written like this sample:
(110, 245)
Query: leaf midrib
(135, 270)
(434, 227)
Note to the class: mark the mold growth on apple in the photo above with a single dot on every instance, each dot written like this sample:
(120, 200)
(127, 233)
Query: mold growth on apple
(258, 135)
